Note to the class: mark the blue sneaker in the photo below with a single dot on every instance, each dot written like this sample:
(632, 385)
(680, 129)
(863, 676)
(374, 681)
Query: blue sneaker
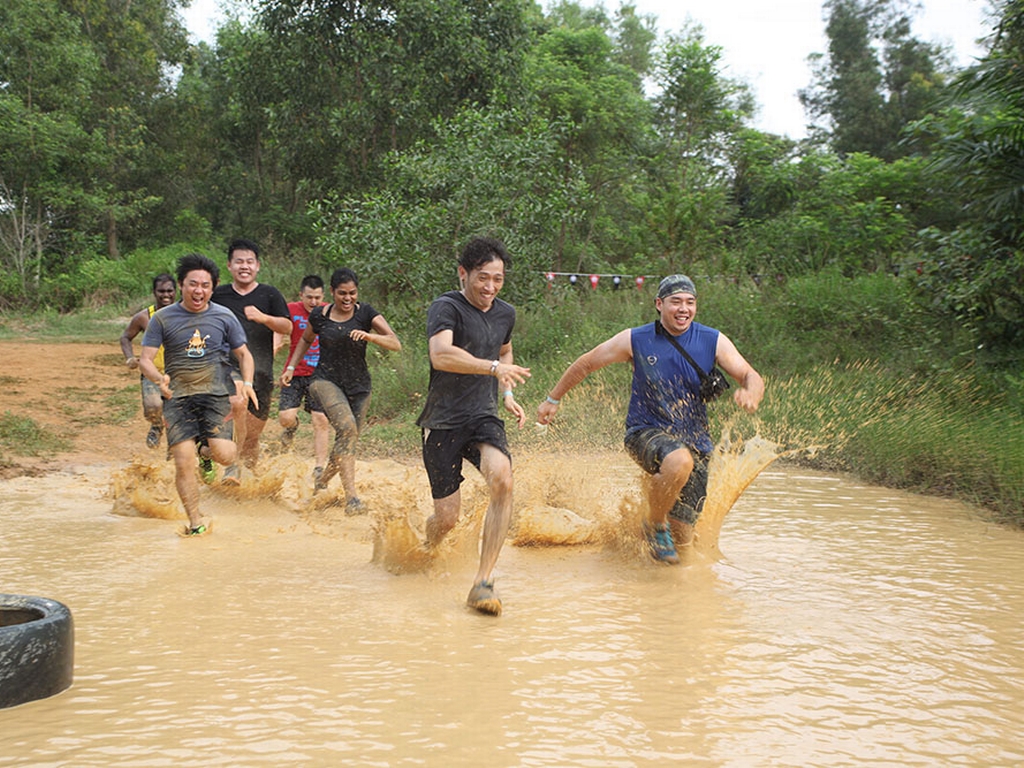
(659, 541)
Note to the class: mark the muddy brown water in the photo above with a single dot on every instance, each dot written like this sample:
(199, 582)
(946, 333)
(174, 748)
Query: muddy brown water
(841, 625)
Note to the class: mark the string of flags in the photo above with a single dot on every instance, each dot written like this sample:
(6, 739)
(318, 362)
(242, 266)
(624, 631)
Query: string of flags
(618, 279)
(577, 278)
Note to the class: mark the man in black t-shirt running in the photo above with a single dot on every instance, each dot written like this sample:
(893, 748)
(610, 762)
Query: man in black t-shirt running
(470, 345)
(263, 311)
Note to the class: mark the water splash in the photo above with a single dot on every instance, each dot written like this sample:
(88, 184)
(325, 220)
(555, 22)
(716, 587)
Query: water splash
(561, 499)
(734, 466)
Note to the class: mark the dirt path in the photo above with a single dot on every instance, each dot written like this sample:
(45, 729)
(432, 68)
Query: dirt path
(83, 393)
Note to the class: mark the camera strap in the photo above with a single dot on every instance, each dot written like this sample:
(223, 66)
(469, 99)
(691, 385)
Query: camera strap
(659, 329)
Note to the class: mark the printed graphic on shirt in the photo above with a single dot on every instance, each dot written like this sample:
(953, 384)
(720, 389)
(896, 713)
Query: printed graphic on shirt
(197, 345)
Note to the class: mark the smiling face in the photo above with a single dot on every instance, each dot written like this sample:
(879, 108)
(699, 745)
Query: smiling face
(243, 265)
(677, 311)
(345, 297)
(482, 284)
(164, 293)
(196, 290)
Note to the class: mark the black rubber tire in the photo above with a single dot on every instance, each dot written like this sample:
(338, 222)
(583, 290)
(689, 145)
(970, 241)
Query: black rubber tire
(37, 649)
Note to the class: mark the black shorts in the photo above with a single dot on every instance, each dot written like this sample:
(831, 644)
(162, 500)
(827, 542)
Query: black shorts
(444, 450)
(263, 386)
(297, 393)
(649, 447)
(197, 417)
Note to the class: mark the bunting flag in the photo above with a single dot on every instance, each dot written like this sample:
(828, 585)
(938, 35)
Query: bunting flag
(595, 278)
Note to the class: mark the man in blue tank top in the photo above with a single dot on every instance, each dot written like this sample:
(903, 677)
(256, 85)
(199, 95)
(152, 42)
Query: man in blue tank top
(667, 423)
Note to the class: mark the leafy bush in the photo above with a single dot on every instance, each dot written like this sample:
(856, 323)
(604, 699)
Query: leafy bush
(973, 283)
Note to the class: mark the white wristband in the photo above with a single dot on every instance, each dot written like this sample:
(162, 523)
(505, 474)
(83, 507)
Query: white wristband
(494, 366)
(290, 368)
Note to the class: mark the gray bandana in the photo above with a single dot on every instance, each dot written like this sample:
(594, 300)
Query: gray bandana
(676, 284)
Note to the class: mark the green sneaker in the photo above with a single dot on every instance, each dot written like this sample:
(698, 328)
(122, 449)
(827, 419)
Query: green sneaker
(206, 469)
(194, 531)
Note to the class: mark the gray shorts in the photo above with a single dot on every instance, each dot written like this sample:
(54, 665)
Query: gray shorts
(649, 447)
(197, 417)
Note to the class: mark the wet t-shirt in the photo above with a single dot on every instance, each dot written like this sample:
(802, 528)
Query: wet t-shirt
(268, 300)
(196, 345)
(300, 321)
(455, 399)
(666, 389)
(342, 359)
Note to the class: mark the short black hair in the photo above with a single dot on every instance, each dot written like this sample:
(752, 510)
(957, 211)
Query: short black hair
(343, 275)
(311, 281)
(191, 262)
(481, 250)
(241, 244)
(164, 277)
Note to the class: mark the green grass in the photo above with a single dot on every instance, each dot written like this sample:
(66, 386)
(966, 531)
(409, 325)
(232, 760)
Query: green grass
(22, 436)
(92, 325)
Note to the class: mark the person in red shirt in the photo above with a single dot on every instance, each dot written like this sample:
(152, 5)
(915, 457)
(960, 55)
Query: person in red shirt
(296, 393)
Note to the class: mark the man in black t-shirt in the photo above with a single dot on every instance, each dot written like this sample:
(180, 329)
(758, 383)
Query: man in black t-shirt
(470, 345)
(263, 311)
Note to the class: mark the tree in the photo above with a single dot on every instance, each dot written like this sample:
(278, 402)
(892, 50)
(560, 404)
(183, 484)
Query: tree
(136, 42)
(875, 79)
(576, 82)
(696, 112)
(46, 71)
(353, 81)
(488, 171)
(975, 272)
(980, 139)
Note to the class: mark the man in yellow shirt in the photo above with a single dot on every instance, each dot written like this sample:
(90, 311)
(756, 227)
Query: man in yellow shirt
(164, 291)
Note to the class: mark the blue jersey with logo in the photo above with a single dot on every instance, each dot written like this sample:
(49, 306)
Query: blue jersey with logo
(666, 389)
